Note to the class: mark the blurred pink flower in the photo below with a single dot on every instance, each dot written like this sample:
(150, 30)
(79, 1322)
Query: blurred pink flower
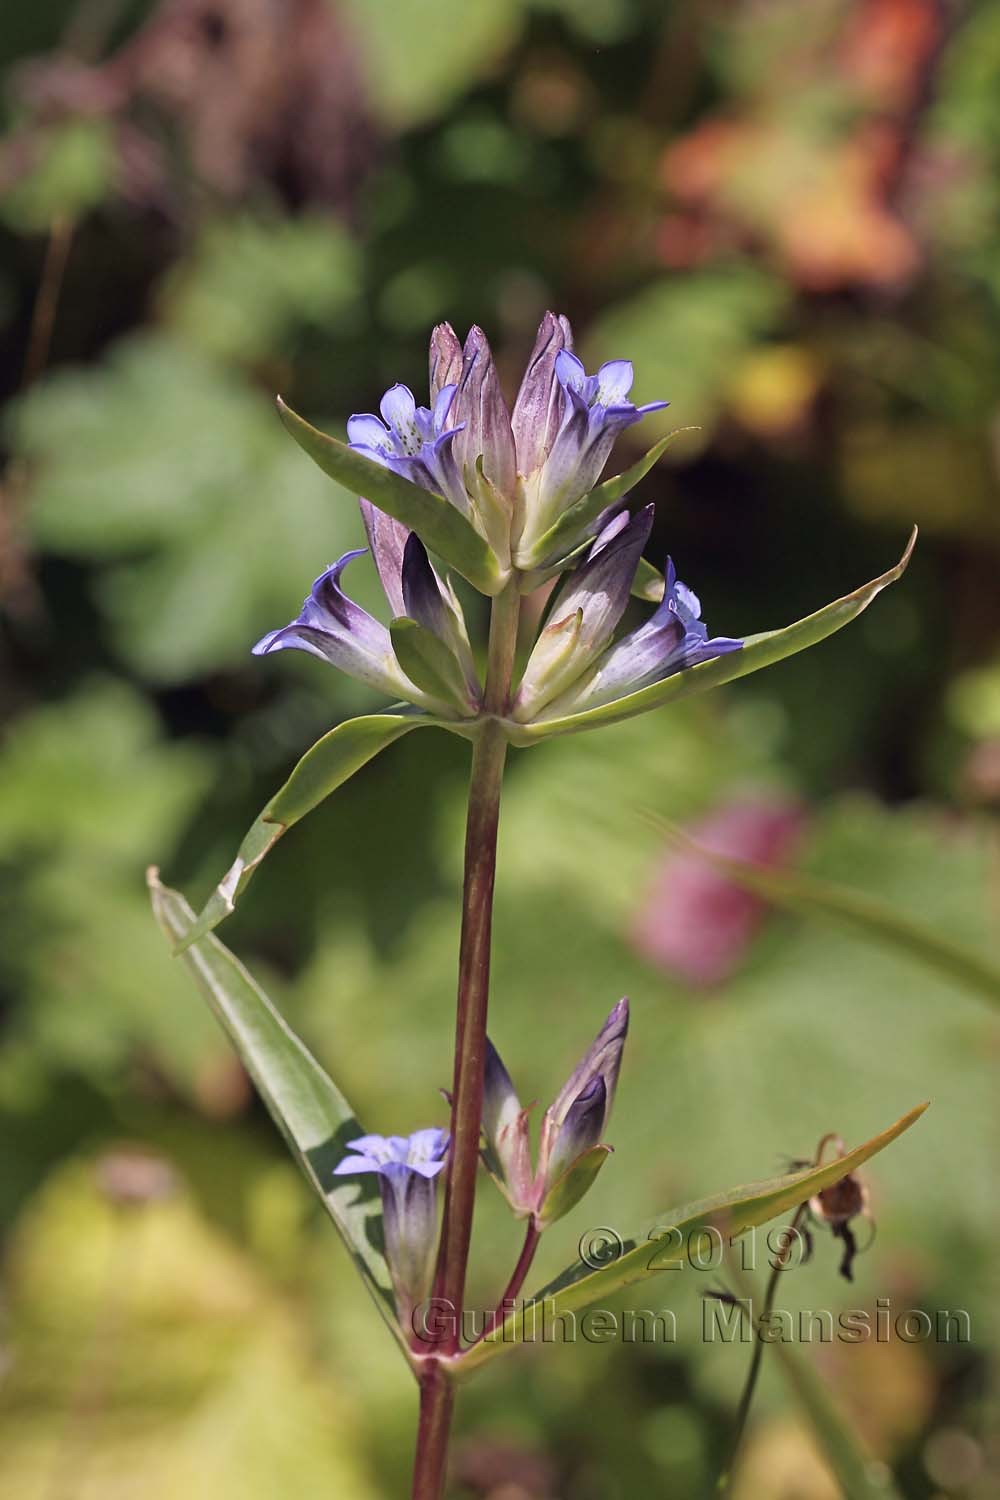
(694, 922)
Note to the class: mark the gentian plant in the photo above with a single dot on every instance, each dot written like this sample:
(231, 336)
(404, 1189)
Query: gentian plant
(509, 499)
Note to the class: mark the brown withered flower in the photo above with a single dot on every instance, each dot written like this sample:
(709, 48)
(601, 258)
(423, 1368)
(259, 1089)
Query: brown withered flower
(837, 1205)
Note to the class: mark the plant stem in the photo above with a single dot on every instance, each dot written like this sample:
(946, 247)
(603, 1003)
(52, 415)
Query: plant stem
(495, 1319)
(437, 1399)
(780, 1262)
(488, 757)
(750, 1385)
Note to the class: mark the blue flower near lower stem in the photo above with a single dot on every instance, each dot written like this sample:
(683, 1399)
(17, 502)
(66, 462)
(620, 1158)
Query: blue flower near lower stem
(407, 1168)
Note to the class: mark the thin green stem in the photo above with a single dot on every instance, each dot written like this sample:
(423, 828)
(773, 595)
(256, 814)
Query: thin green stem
(486, 780)
(780, 1262)
(750, 1384)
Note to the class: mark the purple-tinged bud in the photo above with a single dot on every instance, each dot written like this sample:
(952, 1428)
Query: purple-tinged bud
(435, 606)
(586, 612)
(407, 1169)
(538, 410)
(580, 1130)
(445, 359)
(595, 409)
(570, 1152)
(507, 1150)
(574, 1124)
(387, 539)
(481, 411)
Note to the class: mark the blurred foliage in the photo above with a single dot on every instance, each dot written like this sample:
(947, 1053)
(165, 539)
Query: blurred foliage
(792, 230)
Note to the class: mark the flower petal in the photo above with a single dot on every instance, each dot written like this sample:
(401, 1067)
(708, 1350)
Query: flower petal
(599, 593)
(445, 359)
(387, 539)
(614, 381)
(538, 410)
(333, 627)
(399, 411)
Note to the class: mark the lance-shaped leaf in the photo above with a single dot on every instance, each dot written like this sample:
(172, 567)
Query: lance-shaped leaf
(306, 1105)
(326, 766)
(578, 523)
(429, 663)
(668, 1244)
(441, 527)
(757, 651)
(807, 896)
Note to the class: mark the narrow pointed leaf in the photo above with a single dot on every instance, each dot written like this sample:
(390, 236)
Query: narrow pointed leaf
(561, 539)
(757, 651)
(306, 1105)
(326, 766)
(441, 527)
(429, 664)
(667, 1244)
(809, 897)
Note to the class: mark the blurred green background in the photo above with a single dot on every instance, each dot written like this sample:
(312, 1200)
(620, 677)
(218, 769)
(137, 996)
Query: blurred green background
(787, 216)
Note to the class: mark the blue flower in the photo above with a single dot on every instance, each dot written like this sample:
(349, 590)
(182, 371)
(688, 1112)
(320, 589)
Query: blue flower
(511, 475)
(674, 638)
(407, 1168)
(586, 612)
(331, 626)
(595, 409)
(414, 441)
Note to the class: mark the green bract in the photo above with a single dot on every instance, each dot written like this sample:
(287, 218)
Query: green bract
(441, 527)
(758, 651)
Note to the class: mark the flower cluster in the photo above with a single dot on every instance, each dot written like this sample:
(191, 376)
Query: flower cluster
(522, 480)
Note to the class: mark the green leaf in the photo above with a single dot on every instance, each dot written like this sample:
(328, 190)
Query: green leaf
(419, 58)
(427, 661)
(809, 897)
(575, 1181)
(562, 538)
(441, 527)
(196, 559)
(326, 766)
(305, 1104)
(667, 1243)
(757, 651)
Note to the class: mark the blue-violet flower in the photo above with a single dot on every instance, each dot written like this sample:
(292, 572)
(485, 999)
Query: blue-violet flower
(407, 1169)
